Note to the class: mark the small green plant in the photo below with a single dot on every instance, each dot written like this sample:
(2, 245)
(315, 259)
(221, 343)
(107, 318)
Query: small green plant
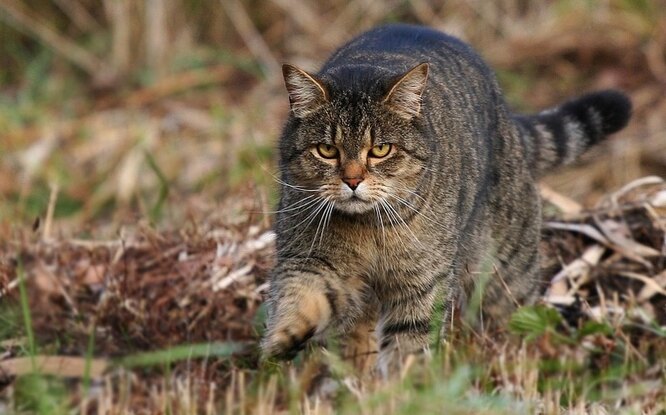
(40, 394)
(535, 321)
(156, 210)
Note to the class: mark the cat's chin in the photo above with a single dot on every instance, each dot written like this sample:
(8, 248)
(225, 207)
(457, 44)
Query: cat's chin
(354, 206)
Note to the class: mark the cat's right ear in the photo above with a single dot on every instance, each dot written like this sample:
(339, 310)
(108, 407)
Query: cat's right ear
(306, 93)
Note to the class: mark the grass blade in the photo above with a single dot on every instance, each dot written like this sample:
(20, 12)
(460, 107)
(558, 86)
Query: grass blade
(25, 309)
(182, 352)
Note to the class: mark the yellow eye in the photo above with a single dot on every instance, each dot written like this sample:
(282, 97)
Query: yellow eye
(327, 151)
(380, 150)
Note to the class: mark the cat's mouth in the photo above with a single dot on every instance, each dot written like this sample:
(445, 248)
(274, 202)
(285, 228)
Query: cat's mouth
(355, 204)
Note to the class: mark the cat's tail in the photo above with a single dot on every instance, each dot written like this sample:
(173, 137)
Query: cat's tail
(557, 136)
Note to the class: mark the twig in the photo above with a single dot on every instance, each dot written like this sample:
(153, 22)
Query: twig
(78, 14)
(567, 205)
(48, 221)
(156, 34)
(251, 36)
(119, 17)
(301, 13)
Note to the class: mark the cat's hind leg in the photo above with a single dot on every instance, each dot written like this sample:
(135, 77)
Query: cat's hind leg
(514, 279)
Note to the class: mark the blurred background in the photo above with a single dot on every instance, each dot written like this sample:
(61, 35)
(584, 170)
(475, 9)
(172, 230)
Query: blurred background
(115, 110)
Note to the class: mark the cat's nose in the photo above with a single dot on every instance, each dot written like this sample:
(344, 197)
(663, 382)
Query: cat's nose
(353, 182)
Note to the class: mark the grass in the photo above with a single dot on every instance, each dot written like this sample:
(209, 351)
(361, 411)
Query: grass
(25, 310)
(164, 169)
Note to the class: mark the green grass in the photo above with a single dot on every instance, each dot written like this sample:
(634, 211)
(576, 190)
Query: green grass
(168, 356)
(25, 311)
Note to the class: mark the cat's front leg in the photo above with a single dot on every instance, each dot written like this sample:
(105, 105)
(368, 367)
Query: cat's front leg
(306, 297)
(407, 324)
(298, 310)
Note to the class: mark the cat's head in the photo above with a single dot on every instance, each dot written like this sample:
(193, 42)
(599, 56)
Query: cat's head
(355, 136)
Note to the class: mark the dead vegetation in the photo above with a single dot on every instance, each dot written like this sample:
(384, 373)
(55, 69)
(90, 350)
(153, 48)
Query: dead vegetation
(148, 290)
(137, 146)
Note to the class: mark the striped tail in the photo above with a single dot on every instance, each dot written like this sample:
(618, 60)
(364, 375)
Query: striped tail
(557, 136)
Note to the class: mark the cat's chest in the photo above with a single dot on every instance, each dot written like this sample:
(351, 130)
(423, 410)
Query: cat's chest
(381, 248)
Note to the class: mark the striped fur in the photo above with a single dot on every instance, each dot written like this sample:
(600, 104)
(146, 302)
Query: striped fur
(558, 136)
(382, 261)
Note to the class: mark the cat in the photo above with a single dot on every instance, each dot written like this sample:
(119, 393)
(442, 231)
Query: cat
(403, 175)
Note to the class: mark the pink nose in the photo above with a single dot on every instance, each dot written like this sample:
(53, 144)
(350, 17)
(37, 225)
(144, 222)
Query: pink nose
(352, 182)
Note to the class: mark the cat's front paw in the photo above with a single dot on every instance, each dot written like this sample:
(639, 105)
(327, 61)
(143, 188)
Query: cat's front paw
(398, 355)
(293, 323)
(286, 341)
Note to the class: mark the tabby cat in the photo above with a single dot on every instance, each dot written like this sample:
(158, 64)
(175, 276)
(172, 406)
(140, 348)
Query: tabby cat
(403, 172)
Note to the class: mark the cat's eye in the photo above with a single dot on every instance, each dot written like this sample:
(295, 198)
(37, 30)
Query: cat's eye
(327, 151)
(380, 150)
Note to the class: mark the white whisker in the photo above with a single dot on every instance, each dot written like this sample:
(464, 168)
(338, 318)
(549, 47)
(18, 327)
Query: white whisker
(310, 216)
(392, 220)
(322, 221)
(381, 223)
(402, 222)
(299, 204)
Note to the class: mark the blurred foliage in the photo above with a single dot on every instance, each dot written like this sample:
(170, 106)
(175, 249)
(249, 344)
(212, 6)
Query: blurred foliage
(126, 106)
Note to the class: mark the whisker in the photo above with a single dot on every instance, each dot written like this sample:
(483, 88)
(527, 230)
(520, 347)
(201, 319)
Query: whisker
(277, 179)
(391, 219)
(299, 204)
(403, 223)
(310, 216)
(299, 188)
(304, 205)
(327, 220)
(322, 221)
(381, 223)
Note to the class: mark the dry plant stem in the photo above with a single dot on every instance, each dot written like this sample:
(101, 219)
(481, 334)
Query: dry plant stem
(120, 18)
(23, 22)
(78, 14)
(302, 14)
(568, 206)
(50, 211)
(251, 36)
(157, 35)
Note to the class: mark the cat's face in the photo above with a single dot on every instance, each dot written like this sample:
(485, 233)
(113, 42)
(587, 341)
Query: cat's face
(357, 152)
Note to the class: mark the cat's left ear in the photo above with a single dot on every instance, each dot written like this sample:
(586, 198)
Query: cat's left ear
(306, 93)
(404, 97)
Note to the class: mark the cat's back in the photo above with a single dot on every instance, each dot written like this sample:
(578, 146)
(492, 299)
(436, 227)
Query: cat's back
(402, 44)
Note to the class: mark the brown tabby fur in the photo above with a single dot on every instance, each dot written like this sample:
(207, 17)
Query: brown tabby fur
(384, 246)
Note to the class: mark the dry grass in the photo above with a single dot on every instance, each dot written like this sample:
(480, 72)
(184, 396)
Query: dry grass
(133, 197)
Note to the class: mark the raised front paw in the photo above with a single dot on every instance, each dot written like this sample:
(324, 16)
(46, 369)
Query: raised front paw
(286, 341)
(293, 323)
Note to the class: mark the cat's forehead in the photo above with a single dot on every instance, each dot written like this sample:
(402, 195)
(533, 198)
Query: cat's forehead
(352, 140)
(350, 119)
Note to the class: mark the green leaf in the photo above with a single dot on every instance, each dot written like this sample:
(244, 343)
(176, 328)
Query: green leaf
(594, 327)
(533, 321)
